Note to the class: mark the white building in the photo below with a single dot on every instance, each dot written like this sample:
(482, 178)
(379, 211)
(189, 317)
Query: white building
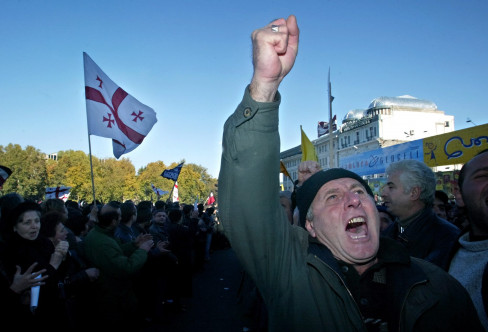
(387, 121)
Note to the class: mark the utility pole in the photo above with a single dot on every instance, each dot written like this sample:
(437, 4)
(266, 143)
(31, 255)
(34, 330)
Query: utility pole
(331, 127)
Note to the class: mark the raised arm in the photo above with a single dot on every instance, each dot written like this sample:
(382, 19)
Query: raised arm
(275, 48)
(249, 204)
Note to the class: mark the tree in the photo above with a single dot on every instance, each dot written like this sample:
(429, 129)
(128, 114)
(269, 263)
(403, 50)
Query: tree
(29, 173)
(71, 169)
(152, 174)
(114, 179)
(111, 178)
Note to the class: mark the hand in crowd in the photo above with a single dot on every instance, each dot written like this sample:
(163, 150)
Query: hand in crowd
(59, 254)
(162, 246)
(306, 169)
(144, 241)
(146, 245)
(274, 54)
(93, 273)
(22, 282)
(141, 238)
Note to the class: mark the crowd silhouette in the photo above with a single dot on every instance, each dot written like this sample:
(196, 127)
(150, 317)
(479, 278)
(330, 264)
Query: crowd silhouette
(114, 265)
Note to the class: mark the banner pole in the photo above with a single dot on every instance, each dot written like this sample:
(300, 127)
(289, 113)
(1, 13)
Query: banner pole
(91, 169)
(171, 193)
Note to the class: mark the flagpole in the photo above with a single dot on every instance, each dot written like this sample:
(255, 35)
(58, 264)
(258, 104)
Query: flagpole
(91, 168)
(88, 131)
(171, 193)
(331, 126)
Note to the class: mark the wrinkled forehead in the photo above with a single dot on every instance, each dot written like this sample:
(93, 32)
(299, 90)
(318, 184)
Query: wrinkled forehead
(338, 185)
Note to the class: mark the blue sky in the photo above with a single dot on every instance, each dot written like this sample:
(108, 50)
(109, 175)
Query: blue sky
(190, 62)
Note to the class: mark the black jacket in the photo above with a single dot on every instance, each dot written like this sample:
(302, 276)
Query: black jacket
(428, 237)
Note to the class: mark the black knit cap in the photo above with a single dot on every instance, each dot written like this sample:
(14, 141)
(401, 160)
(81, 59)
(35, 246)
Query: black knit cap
(306, 193)
(23, 207)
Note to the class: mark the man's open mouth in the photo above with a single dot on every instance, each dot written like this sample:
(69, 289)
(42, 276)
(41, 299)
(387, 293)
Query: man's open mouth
(357, 228)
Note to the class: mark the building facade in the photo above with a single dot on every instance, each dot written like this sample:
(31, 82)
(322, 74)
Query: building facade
(387, 121)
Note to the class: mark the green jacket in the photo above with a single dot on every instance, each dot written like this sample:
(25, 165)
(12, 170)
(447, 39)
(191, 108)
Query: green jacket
(303, 292)
(119, 264)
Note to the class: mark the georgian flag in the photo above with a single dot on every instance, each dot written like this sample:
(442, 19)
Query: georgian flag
(210, 199)
(60, 192)
(175, 193)
(113, 113)
(323, 127)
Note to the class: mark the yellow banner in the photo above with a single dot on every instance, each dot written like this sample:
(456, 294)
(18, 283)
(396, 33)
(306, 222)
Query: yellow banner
(456, 147)
(308, 149)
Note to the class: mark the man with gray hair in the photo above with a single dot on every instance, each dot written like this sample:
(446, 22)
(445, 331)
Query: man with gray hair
(409, 196)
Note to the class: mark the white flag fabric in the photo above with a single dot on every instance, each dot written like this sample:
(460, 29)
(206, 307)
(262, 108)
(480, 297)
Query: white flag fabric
(113, 113)
(158, 191)
(175, 193)
(60, 192)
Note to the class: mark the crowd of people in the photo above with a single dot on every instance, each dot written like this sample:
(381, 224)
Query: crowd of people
(329, 256)
(114, 266)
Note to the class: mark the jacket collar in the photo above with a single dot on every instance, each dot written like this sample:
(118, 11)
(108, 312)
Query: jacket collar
(389, 252)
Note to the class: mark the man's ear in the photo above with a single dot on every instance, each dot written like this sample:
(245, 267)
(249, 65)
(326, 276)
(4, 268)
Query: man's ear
(309, 228)
(415, 193)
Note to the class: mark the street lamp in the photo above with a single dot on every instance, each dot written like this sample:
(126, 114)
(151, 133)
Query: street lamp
(469, 120)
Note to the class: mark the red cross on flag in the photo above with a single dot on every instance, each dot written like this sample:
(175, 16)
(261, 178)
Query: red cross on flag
(60, 192)
(176, 198)
(113, 113)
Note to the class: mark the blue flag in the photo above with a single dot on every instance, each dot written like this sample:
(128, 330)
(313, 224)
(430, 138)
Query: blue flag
(173, 173)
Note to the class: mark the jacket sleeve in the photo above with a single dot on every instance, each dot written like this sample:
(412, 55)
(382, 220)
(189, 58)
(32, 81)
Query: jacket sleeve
(249, 208)
(125, 260)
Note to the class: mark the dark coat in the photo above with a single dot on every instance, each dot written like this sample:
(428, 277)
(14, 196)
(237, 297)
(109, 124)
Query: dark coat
(303, 292)
(119, 264)
(428, 237)
(24, 253)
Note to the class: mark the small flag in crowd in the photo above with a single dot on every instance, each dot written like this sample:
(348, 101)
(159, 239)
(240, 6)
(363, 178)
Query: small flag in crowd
(158, 191)
(113, 113)
(308, 149)
(175, 193)
(210, 199)
(323, 127)
(173, 173)
(283, 169)
(5, 172)
(60, 192)
(195, 205)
